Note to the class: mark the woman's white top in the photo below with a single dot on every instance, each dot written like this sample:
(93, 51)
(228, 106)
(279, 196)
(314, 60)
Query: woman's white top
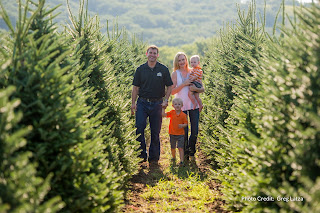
(183, 93)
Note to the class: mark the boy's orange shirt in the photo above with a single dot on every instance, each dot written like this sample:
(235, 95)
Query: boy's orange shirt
(197, 72)
(175, 120)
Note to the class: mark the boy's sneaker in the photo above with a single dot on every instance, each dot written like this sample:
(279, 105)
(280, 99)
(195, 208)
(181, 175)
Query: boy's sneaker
(181, 164)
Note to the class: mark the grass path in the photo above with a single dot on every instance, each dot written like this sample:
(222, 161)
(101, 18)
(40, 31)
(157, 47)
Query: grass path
(170, 188)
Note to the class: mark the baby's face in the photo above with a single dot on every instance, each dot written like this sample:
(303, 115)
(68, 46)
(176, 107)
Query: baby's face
(194, 62)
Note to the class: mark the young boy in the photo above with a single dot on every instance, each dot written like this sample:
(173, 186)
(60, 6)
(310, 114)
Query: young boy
(178, 121)
(196, 78)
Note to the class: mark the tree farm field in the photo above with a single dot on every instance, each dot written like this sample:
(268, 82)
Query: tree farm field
(170, 188)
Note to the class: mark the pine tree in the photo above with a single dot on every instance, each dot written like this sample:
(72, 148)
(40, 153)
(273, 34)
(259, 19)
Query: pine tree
(21, 190)
(108, 85)
(43, 67)
(288, 119)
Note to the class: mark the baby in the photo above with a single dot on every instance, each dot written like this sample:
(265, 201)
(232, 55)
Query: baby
(196, 78)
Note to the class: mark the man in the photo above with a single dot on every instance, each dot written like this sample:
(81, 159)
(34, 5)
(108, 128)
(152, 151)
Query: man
(152, 82)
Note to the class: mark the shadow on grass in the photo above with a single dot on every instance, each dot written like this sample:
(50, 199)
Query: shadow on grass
(184, 172)
(148, 175)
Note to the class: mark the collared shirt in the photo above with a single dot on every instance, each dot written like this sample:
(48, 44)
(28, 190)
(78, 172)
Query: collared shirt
(152, 81)
(175, 120)
(197, 72)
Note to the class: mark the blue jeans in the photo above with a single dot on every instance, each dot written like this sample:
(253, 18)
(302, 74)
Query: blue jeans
(190, 145)
(153, 110)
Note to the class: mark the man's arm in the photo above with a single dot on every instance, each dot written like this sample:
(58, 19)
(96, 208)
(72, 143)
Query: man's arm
(166, 97)
(134, 95)
(164, 114)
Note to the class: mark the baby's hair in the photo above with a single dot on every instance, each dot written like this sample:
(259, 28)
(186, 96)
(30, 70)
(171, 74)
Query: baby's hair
(177, 100)
(195, 56)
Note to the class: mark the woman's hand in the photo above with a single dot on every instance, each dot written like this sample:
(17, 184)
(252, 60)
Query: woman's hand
(193, 88)
(187, 82)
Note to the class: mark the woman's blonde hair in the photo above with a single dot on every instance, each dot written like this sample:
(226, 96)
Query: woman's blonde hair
(176, 61)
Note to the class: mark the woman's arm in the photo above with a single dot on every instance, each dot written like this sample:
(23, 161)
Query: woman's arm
(175, 88)
(193, 88)
(134, 95)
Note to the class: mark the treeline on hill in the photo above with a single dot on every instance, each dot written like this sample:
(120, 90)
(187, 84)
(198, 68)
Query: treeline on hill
(261, 127)
(166, 22)
(67, 141)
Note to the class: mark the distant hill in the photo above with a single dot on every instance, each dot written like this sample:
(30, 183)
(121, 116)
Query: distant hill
(161, 22)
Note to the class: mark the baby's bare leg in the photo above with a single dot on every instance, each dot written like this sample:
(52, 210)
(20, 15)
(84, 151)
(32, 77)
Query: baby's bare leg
(192, 98)
(197, 97)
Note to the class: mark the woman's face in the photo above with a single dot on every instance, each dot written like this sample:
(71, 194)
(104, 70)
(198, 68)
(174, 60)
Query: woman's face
(182, 61)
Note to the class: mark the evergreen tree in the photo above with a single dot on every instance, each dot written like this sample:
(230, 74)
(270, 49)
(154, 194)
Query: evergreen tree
(287, 153)
(108, 84)
(21, 190)
(43, 68)
(229, 76)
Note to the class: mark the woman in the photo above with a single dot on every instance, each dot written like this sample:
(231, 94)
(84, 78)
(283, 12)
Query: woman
(181, 83)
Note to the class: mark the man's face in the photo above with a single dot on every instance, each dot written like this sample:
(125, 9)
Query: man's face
(152, 55)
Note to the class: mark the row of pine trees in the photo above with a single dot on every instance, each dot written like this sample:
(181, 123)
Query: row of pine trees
(261, 123)
(67, 139)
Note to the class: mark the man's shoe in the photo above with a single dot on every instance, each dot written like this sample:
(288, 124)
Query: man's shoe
(193, 161)
(153, 163)
(186, 158)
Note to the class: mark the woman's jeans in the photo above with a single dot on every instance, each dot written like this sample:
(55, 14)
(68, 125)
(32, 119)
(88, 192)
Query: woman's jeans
(153, 110)
(190, 145)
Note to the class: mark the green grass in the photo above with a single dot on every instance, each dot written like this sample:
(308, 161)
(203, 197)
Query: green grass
(177, 189)
(191, 194)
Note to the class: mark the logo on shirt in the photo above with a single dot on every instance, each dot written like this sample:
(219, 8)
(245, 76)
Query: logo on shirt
(159, 74)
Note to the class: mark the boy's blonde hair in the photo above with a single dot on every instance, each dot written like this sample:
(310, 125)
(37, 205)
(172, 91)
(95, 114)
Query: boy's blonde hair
(177, 100)
(196, 57)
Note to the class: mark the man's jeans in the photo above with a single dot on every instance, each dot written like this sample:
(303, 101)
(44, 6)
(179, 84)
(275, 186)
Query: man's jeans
(190, 145)
(153, 110)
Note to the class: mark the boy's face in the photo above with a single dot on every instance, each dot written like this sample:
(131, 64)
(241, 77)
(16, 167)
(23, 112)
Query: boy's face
(177, 105)
(194, 62)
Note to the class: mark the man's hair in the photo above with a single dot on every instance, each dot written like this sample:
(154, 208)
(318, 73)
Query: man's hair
(195, 56)
(177, 100)
(153, 47)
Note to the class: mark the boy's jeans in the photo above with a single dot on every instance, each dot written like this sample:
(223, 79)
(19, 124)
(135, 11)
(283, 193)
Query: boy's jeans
(153, 110)
(190, 145)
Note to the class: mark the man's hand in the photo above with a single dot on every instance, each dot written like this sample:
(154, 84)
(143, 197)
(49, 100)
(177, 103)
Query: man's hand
(164, 104)
(133, 108)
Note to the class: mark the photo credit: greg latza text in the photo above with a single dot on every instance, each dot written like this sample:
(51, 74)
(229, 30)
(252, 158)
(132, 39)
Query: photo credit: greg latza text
(272, 199)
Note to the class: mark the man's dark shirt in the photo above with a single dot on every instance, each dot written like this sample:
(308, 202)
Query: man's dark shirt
(152, 82)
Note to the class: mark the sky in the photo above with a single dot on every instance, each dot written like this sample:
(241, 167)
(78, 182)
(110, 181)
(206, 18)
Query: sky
(302, 1)
(305, 1)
